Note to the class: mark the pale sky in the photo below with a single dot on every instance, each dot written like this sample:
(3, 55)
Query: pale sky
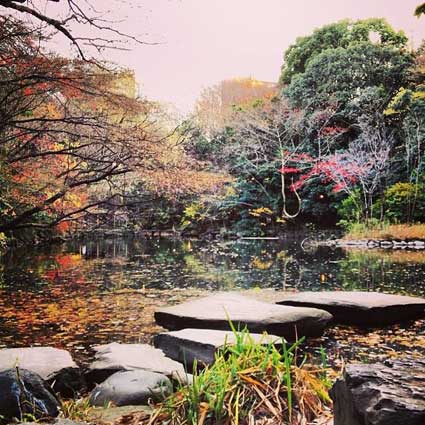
(206, 41)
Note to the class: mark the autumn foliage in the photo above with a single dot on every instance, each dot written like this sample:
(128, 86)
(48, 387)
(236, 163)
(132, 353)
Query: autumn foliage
(74, 137)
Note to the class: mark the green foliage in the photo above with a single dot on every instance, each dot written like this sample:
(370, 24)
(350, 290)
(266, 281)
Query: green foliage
(362, 229)
(194, 213)
(243, 376)
(339, 76)
(405, 202)
(341, 34)
(350, 209)
(212, 148)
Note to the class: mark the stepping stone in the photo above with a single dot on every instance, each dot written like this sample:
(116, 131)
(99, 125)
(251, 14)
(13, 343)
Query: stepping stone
(361, 308)
(201, 344)
(29, 386)
(114, 357)
(134, 387)
(216, 311)
(381, 394)
(53, 365)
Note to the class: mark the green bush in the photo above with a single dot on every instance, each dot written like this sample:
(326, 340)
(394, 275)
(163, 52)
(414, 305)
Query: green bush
(405, 202)
(350, 210)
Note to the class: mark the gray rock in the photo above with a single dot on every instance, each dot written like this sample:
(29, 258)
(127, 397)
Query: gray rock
(216, 311)
(25, 393)
(419, 243)
(114, 357)
(201, 344)
(132, 387)
(400, 243)
(361, 308)
(372, 244)
(53, 365)
(378, 394)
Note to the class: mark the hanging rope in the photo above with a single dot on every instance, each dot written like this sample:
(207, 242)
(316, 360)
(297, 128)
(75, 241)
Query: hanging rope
(285, 213)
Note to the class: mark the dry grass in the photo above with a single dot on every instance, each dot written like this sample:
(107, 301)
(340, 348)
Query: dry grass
(249, 383)
(387, 231)
(76, 410)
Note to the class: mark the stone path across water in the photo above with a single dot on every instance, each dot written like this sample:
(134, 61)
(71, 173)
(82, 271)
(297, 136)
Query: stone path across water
(360, 308)
(123, 369)
(217, 311)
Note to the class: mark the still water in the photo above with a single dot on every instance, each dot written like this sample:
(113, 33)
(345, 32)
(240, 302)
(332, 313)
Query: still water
(82, 293)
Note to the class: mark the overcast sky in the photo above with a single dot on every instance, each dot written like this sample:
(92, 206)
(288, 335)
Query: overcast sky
(205, 41)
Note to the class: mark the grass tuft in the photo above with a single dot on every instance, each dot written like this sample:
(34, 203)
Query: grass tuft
(249, 383)
(76, 410)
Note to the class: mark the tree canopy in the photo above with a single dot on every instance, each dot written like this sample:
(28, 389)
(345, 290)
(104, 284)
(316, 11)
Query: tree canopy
(339, 76)
(341, 34)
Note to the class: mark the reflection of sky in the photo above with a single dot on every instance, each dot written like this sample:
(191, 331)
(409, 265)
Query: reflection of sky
(167, 264)
(205, 41)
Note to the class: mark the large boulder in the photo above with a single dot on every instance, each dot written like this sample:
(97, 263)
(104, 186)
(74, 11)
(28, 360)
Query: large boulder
(188, 345)
(381, 394)
(115, 357)
(215, 312)
(22, 393)
(53, 365)
(132, 387)
(360, 308)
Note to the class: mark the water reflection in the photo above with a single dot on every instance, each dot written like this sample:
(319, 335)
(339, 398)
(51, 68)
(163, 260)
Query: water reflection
(166, 264)
(84, 293)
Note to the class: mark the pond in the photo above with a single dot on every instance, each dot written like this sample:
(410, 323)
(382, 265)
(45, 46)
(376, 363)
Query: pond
(88, 292)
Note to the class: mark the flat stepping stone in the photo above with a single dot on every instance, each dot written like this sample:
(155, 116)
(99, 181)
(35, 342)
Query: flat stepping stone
(188, 345)
(216, 311)
(381, 394)
(114, 357)
(361, 308)
(134, 387)
(52, 364)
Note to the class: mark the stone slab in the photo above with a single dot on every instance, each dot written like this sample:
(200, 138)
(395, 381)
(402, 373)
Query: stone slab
(359, 307)
(53, 365)
(215, 312)
(115, 357)
(381, 394)
(188, 345)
